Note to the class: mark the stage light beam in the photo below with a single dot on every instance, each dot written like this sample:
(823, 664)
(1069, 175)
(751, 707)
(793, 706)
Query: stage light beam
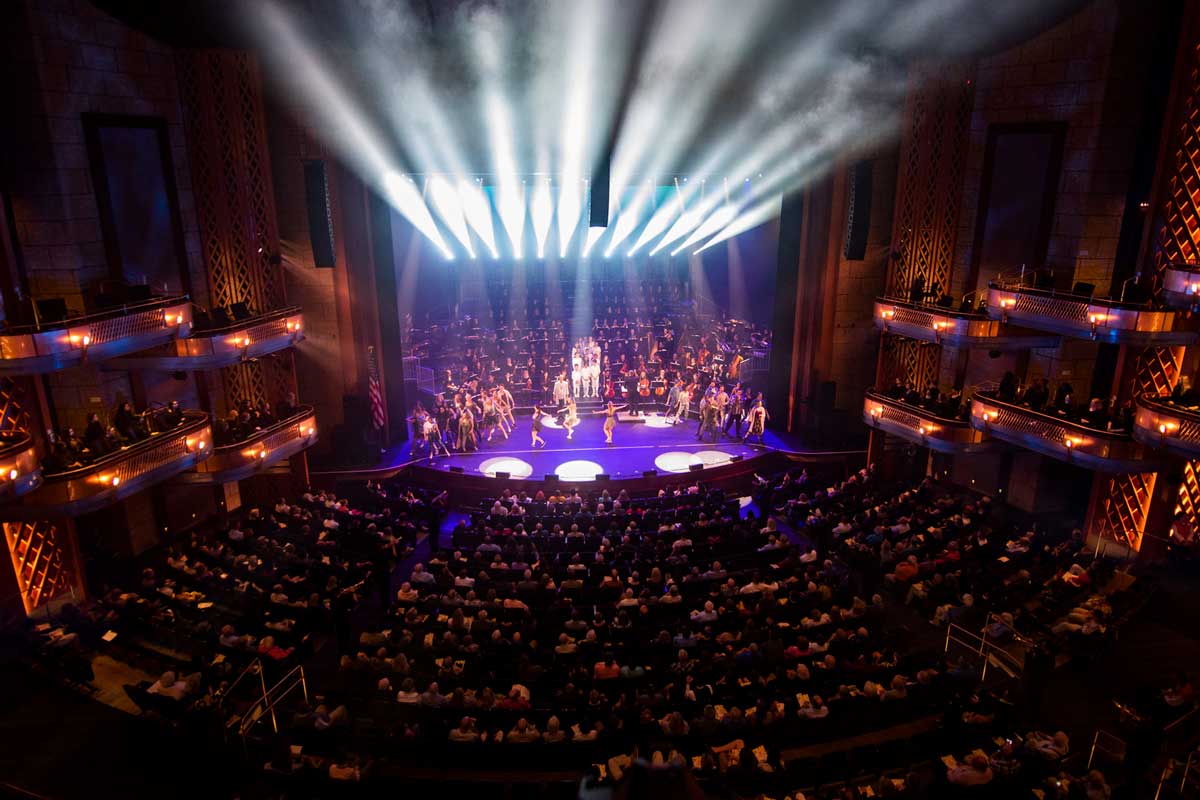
(406, 199)
(449, 207)
(479, 213)
(542, 211)
(510, 204)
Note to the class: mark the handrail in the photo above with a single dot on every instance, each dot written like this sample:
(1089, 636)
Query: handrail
(924, 412)
(193, 421)
(1064, 421)
(13, 442)
(1017, 635)
(933, 308)
(95, 316)
(248, 322)
(1156, 401)
(275, 427)
(1096, 745)
(255, 667)
(1108, 302)
(269, 700)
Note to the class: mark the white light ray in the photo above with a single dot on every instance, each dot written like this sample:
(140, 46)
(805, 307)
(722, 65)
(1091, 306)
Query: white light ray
(510, 203)
(479, 213)
(714, 223)
(629, 218)
(659, 221)
(406, 198)
(542, 211)
(593, 235)
(570, 209)
(449, 207)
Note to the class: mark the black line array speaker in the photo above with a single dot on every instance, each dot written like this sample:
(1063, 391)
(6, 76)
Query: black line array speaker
(695, 467)
(598, 204)
(320, 216)
(858, 211)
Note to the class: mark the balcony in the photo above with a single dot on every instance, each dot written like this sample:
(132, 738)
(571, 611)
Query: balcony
(1181, 286)
(920, 426)
(281, 441)
(119, 474)
(1057, 437)
(931, 323)
(1098, 319)
(20, 471)
(51, 346)
(223, 344)
(1166, 425)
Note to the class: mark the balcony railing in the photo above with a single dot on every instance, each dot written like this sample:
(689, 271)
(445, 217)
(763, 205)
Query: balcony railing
(1163, 424)
(121, 473)
(215, 347)
(1058, 437)
(284, 439)
(20, 471)
(46, 347)
(931, 323)
(1099, 319)
(1181, 285)
(920, 426)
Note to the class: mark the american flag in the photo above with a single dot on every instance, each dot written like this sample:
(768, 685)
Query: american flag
(375, 391)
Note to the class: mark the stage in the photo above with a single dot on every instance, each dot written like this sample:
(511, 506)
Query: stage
(638, 447)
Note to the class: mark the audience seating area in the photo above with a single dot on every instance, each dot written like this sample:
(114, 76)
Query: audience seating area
(780, 652)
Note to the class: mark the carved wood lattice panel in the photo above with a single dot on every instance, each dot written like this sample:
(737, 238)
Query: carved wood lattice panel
(910, 361)
(225, 117)
(1178, 226)
(41, 560)
(1123, 511)
(933, 160)
(1189, 493)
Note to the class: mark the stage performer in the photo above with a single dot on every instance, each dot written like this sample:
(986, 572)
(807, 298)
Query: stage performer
(631, 393)
(736, 412)
(466, 430)
(610, 419)
(537, 428)
(577, 371)
(571, 419)
(562, 390)
(433, 436)
(758, 422)
(492, 418)
(505, 399)
(673, 401)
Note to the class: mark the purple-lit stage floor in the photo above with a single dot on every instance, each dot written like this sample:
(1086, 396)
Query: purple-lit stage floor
(637, 447)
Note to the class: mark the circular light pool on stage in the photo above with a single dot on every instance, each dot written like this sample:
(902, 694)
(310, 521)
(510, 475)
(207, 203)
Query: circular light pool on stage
(713, 458)
(513, 466)
(677, 461)
(551, 421)
(656, 420)
(578, 470)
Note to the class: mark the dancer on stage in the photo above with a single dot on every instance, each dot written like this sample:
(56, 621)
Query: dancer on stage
(735, 412)
(433, 437)
(758, 422)
(571, 419)
(537, 428)
(492, 418)
(610, 419)
(466, 429)
(505, 400)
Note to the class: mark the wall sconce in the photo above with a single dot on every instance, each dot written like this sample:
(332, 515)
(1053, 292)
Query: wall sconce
(12, 474)
(1070, 443)
(173, 320)
(293, 326)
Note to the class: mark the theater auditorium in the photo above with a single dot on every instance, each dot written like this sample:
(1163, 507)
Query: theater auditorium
(600, 399)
